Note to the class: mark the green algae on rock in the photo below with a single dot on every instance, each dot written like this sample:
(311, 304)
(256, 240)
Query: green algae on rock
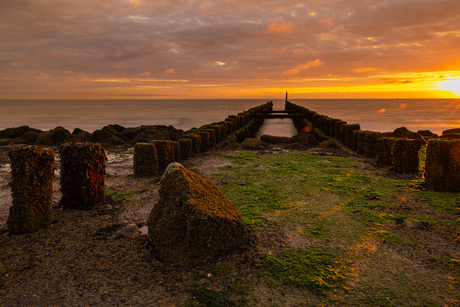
(194, 220)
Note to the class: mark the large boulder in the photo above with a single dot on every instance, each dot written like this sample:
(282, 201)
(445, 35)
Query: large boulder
(306, 139)
(12, 133)
(54, 136)
(253, 144)
(29, 137)
(106, 138)
(193, 220)
(404, 133)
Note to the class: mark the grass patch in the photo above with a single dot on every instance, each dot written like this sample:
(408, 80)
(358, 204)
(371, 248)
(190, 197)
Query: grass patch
(233, 296)
(313, 269)
(119, 195)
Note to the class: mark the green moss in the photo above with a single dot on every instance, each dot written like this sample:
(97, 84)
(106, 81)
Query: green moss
(233, 296)
(314, 269)
(119, 195)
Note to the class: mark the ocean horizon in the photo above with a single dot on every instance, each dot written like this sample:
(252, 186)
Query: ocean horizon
(91, 114)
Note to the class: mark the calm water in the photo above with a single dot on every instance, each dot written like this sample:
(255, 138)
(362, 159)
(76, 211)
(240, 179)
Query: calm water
(373, 114)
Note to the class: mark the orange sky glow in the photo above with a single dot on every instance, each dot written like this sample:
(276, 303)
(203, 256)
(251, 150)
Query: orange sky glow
(229, 49)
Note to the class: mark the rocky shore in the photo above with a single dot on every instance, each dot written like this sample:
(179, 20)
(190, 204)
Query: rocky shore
(103, 257)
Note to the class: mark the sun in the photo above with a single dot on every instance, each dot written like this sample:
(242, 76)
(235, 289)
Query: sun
(452, 85)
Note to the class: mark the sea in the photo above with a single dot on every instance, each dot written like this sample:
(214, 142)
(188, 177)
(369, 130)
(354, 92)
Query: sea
(381, 115)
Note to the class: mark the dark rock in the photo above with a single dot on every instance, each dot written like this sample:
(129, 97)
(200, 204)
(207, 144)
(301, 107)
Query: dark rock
(106, 138)
(295, 146)
(413, 224)
(150, 135)
(28, 138)
(427, 133)
(275, 139)
(77, 130)
(252, 144)
(451, 131)
(404, 133)
(306, 139)
(82, 137)
(12, 133)
(55, 136)
(193, 221)
(232, 145)
(328, 144)
(130, 231)
(130, 133)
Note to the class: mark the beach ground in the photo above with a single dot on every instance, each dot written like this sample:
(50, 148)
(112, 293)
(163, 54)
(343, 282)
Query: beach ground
(326, 228)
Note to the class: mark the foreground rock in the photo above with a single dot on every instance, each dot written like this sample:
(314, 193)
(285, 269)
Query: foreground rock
(194, 220)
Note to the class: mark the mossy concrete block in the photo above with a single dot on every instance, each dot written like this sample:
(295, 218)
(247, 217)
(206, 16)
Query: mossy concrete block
(193, 221)
(217, 132)
(32, 173)
(442, 168)
(337, 128)
(406, 156)
(212, 137)
(177, 156)
(82, 175)
(165, 151)
(185, 148)
(145, 161)
(204, 146)
(370, 143)
(196, 142)
(346, 132)
(385, 151)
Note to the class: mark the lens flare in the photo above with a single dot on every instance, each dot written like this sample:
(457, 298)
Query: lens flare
(381, 111)
(403, 106)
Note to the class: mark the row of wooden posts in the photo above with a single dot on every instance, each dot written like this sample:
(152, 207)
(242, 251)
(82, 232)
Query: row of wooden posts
(442, 162)
(83, 169)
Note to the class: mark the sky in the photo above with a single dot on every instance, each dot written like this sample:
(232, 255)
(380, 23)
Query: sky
(124, 49)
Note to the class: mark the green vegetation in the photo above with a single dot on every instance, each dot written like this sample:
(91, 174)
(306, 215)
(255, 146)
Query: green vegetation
(351, 222)
(233, 296)
(4, 140)
(119, 195)
(313, 269)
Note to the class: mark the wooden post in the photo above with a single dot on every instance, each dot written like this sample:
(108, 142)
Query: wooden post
(32, 172)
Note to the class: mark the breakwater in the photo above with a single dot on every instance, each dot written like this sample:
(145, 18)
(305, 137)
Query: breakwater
(399, 150)
(82, 175)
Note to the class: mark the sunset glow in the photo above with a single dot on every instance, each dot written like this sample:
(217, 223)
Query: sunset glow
(234, 49)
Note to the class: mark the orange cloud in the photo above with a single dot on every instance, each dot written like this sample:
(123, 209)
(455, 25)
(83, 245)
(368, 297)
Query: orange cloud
(144, 74)
(276, 28)
(299, 51)
(49, 54)
(282, 50)
(169, 71)
(365, 69)
(305, 66)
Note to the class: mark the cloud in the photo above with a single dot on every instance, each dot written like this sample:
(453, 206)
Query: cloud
(169, 71)
(365, 69)
(299, 51)
(50, 54)
(119, 39)
(144, 74)
(305, 66)
(277, 28)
